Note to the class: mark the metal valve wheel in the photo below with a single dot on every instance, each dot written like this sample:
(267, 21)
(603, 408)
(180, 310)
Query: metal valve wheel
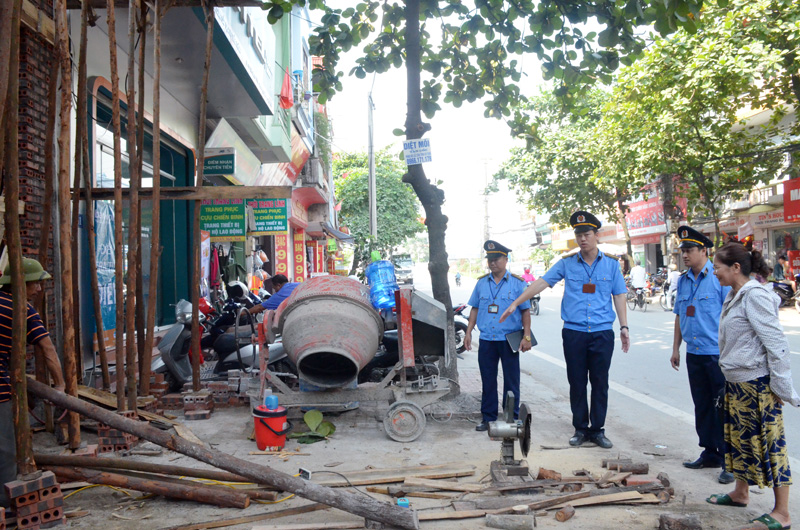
(404, 422)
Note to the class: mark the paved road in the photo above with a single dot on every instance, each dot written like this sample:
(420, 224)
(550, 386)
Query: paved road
(645, 388)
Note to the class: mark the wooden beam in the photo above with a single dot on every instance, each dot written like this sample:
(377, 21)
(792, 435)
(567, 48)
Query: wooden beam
(37, 20)
(190, 193)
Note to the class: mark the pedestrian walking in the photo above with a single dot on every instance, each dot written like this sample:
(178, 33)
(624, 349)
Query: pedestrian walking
(592, 281)
(698, 305)
(754, 357)
(36, 335)
(492, 295)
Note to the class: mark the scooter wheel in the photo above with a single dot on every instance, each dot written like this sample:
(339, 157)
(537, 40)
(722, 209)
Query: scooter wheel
(461, 333)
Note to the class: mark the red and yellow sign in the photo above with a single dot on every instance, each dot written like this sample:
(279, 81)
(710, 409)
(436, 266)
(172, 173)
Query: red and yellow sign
(282, 254)
(299, 253)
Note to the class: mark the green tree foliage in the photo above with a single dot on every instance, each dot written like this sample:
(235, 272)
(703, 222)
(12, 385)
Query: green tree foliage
(398, 207)
(544, 256)
(677, 112)
(557, 173)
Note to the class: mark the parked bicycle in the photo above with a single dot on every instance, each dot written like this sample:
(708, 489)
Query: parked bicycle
(637, 299)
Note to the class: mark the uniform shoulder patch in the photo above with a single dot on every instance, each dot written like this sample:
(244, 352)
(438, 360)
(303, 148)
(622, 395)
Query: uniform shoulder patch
(483, 276)
(520, 278)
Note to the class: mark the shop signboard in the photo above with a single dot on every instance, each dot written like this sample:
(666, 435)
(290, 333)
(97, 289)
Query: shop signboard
(791, 200)
(417, 152)
(224, 219)
(271, 216)
(767, 219)
(320, 257)
(299, 253)
(793, 257)
(282, 254)
(646, 217)
(219, 161)
(104, 247)
(332, 246)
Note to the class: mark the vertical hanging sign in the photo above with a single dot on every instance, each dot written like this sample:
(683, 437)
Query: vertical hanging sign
(320, 261)
(299, 252)
(282, 254)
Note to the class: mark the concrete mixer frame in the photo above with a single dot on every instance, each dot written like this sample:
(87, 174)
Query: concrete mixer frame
(404, 420)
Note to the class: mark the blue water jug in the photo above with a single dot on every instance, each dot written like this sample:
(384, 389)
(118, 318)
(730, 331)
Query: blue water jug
(271, 402)
(383, 284)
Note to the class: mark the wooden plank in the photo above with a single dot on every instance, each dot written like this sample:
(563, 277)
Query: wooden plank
(308, 508)
(438, 516)
(190, 193)
(110, 400)
(37, 20)
(384, 490)
(186, 433)
(389, 475)
(599, 499)
(443, 485)
(310, 526)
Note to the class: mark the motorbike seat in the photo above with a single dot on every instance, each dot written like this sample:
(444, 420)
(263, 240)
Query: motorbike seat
(226, 343)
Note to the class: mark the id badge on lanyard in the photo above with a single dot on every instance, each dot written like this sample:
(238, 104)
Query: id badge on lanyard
(589, 288)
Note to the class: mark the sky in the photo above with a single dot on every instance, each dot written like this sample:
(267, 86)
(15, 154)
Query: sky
(467, 149)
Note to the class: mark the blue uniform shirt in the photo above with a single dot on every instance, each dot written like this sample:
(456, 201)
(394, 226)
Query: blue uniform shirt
(581, 311)
(488, 292)
(283, 293)
(701, 331)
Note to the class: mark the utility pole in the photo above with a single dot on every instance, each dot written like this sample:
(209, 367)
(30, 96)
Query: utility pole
(373, 202)
(485, 201)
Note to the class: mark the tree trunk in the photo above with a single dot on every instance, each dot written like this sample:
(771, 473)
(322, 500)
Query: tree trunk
(623, 209)
(83, 137)
(155, 231)
(356, 260)
(144, 371)
(65, 236)
(119, 295)
(133, 216)
(429, 195)
(364, 506)
(6, 20)
(201, 142)
(24, 442)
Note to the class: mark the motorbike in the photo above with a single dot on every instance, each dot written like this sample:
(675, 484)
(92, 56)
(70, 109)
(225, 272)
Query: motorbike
(229, 349)
(788, 295)
(667, 298)
(535, 300)
(386, 358)
(460, 321)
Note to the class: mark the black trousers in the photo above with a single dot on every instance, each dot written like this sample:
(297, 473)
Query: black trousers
(588, 358)
(490, 353)
(706, 383)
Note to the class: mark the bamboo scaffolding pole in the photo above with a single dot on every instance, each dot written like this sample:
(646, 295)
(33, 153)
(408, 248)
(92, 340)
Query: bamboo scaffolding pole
(140, 301)
(362, 505)
(119, 352)
(155, 231)
(195, 285)
(224, 498)
(23, 439)
(83, 134)
(65, 237)
(133, 205)
(6, 22)
(77, 184)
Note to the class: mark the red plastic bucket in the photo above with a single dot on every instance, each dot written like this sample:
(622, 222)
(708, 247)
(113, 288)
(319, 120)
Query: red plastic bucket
(271, 428)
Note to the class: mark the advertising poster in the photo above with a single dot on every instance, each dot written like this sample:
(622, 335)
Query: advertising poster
(299, 253)
(793, 257)
(271, 216)
(224, 219)
(282, 254)
(791, 200)
(104, 241)
(205, 254)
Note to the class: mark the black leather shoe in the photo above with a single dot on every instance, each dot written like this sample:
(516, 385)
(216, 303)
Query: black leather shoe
(701, 462)
(726, 477)
(577, 439)
(482, 426)
(601, 440)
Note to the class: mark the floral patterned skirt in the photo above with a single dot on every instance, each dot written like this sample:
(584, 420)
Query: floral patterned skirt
(754, 437)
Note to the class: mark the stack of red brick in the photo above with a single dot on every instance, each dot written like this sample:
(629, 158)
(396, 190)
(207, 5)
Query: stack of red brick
(158, 386)
(38, 502)
(110, 439)
(198, 405)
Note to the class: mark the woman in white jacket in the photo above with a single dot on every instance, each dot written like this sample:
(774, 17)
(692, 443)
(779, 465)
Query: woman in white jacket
(754, 357)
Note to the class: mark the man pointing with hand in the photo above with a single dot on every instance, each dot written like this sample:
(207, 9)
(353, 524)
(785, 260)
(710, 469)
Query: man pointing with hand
(592, 281)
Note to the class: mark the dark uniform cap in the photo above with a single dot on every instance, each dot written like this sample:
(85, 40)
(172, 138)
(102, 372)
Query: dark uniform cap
(584, 221)
(495, 250)
(692, 238)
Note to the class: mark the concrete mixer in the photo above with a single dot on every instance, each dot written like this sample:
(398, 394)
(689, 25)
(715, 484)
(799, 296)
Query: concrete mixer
(331, 331)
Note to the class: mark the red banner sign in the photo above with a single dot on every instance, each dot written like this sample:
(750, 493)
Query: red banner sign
(282, 254)
(299, 253)
(791, 200)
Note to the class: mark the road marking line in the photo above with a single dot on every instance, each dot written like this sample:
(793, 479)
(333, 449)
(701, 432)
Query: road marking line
(669, 410)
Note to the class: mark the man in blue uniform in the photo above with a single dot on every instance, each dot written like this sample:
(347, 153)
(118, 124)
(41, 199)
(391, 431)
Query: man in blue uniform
(592, 281)
(282, 289)
(493, 293)
(697, 310)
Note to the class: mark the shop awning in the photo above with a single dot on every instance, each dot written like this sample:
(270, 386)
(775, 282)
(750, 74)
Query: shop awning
(320, 229)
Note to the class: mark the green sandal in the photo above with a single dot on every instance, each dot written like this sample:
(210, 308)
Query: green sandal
(723, 499)
(771, 522)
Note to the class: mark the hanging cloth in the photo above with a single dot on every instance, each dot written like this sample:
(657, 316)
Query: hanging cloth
(286, 99)
(214, 269)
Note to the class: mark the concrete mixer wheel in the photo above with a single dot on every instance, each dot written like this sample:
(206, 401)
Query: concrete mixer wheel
(404, 422)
